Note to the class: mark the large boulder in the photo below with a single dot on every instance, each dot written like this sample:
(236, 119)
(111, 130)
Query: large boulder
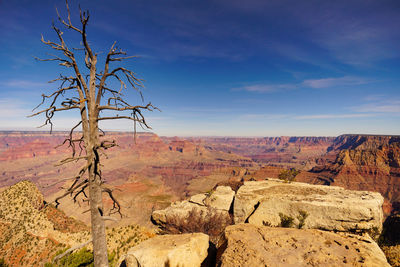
(179, 209)
(310, 206)
(221, 198)
(218, 201)
(250, 245)
(182, 250)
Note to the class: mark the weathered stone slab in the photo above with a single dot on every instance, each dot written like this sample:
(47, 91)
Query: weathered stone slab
(327, 207)
(250, 245)
(219, 201)
(176, 210)
(221, 198)
(198, 199)
(169, 250)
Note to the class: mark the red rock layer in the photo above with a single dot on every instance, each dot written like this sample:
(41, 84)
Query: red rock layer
(284, 149)
(365, 162)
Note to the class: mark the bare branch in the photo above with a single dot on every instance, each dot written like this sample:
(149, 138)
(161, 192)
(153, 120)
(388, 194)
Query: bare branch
(67, 160)
(116, 206)
(68, 251)
(71, 190)
(69, 24)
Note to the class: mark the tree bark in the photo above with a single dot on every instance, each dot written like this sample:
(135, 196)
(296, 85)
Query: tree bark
(96, 200)
(95, 189)
(98, 225)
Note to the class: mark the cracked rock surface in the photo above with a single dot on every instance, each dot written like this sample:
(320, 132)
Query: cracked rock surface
(250, 245)
(327, 207)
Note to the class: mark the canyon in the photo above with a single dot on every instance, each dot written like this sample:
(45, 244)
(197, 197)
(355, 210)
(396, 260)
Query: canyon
(154, 171)
(149, 172)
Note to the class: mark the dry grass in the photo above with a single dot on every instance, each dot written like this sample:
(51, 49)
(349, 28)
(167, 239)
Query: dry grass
(212, 222)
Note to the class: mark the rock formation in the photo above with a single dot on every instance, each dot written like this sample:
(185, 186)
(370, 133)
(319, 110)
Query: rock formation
(258, 205)
(265, 202)
(218, 201)
(363, 162)
(326, 207)
(186, 250)
(249, 245)
(270, 150)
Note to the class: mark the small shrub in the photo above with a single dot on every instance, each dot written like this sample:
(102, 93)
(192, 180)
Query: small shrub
(210, 222)
(302, 218)
(286, 221)
(267, 224)
(288, 175)
(83, 257)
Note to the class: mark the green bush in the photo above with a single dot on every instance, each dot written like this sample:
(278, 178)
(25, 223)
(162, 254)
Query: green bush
(81, 258)
(286, 221)
(288, 175)
(302, 218)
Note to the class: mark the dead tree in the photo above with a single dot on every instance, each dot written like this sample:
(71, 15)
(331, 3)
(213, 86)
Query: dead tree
(88, 91)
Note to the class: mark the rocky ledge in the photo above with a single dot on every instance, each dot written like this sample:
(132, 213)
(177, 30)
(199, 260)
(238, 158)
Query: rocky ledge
(276, 224)
(311, 206)
(249, 245)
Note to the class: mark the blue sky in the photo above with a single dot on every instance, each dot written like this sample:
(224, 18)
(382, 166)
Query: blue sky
(254, 68)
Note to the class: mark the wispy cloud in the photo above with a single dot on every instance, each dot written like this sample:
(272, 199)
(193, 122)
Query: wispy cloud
(24, 84)
(334, 82)
(309, 83)
(263, 116)
(333, 116)
(388, 106)
(203, 110)
(375, 97)
(266, 88)
(305, 117)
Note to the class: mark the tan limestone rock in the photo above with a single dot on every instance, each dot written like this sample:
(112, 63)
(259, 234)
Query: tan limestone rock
(327, 207)
(219, 201)
(198, 199)
(184, 250)
(221, 198)
(176, 210)
(249, 245)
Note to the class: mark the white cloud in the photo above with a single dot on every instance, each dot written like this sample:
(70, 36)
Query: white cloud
(388, 106)
(333, 116)
(334, 82)
(310, 83)
(25, 84)
(266, 88)
(263, 116)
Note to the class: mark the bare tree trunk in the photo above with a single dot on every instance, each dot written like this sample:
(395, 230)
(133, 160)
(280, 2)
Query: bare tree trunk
(96, 200)
(98, 226)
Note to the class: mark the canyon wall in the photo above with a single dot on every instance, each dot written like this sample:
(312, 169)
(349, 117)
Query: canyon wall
(153, 171)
